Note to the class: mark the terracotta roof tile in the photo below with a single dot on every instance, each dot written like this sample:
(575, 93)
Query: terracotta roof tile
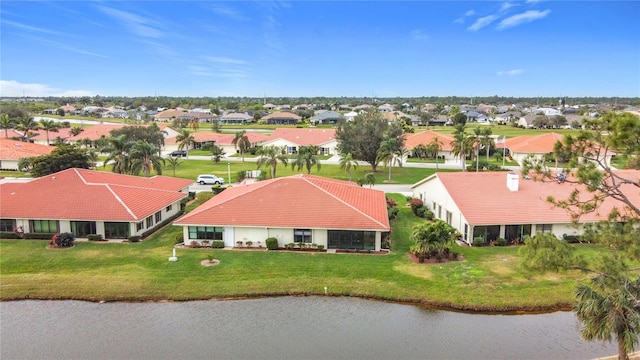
(303, 201)
(304, 137)
(425, 138)
(16, 150)
(82, 194)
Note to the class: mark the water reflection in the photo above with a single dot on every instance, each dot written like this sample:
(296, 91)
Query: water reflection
(282, 328)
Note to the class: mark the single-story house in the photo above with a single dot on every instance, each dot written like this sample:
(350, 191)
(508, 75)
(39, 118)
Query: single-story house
(326, 117)
(426, 137)
(225, 141)
(41, 137)
(236, 118)
(282, 117)
(11, 151)
(86, 202)
(95, 132)
(301, 208)
(505, 205)
(293, 138)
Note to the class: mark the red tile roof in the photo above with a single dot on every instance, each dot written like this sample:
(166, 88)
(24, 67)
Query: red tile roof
(96, 132)
(10, 133)
(425, 138)
(81, 194)
(484, 199)
(222, 139)
(299, 201)
(304, 137)
(16, 150)
(533, 144)
(64, 133)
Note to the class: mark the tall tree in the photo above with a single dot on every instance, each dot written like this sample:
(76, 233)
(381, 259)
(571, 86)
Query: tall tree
(347, 163)
(435, 145)
(460, 144)
(173, 163)
(6, 123)
(362, 137)
(185, 139)
(61, 158)
(49, 125)
(269, 156)
(241, 142)
(118, 152)
(607, 303)
(144, 158)
(76, 130)
(307, 157)
(217, 152)
(386, 154)
(27, 126)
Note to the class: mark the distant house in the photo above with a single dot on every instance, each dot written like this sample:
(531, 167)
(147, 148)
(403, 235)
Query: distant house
(95, 132)
(504, 205)
(11, 151)
(284, 107)
(350, 115)
(41, 138)
(302, 107)
(225, 141)
(236, 118)
(86, 202)
(426, 137)
(282, 118)
(268, 106)
(334, 213)
(293, 138)
(386, 108)
(68, 109)
(171, 114)
(326, 117)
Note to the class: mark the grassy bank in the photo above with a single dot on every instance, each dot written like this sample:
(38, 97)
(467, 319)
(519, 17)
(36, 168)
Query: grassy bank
(489, 279)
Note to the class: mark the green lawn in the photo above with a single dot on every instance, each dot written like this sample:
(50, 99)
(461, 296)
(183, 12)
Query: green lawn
(489, 279)
(502, 130)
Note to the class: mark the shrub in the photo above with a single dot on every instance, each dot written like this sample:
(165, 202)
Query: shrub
(204, 243)
(179, 238)
(38, 236)
(63, 240)
(239, 243)
(204, 196)
(392, 213)
(9, 235)
(217, 244)
(501, 242)
(289, 246)
(249, 243)
(217, 189)
(241, 175)
(415, 203)
(571, 239)
(320, 247)
(391, 203)
(134, 238)
(478, 241)
(271, 243)
(195, 244)
(94, 237)
(429, 215)
(420, 211)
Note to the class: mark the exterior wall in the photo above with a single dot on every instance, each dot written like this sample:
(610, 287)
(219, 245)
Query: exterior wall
(9, 164)
(432, 192)
(519, 157)
(245, 234)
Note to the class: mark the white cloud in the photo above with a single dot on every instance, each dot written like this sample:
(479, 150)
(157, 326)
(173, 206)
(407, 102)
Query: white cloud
(225, 60)
(522, 18)
(482, 22)
(470, 13)
(510, 72)
(12, 88)
(30, 28)
(417, 34)
(533, 1)
(229, 12)
(506, 6)
(137, 25)
(459, 20)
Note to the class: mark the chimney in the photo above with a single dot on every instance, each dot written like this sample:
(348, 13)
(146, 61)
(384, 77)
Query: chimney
(512, 181)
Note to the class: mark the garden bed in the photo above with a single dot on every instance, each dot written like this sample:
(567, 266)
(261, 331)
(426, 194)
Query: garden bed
(355, 251)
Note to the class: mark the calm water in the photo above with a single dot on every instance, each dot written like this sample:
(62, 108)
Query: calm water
(281, 328)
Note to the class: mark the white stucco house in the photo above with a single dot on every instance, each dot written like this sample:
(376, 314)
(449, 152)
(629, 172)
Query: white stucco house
(294, 138)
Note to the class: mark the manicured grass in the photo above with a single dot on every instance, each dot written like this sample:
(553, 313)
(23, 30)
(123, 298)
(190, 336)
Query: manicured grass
(488, 280)
(502, 130)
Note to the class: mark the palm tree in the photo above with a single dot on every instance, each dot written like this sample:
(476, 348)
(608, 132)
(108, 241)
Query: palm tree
(307, 157)
(487, 141)
(400, 155)
(460, 144)
(269, 156)
(420, 151)
(49, 125)
(386, 154)
(173, 163)
(118, 150)
(185, 140)
(26, 124)
(145, 158)
(608, 310)
(241, 142)
(347, 163)
(76, 130)
(216, 153)
(370, 179)
(436, 146)
(6, 123)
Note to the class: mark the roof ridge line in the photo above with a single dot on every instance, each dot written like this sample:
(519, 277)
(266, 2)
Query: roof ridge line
(120, 201)
(344, 202)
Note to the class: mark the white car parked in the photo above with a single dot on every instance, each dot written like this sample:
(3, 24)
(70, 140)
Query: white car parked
(210, 179)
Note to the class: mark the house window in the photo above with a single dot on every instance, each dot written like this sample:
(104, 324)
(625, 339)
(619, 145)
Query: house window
(116, 230)
(449, 217)
(7, 224)
(344, 239)
(517, 232)
(83, 228)
(466, 231)
(169, 208)
(291, 150)
(302, 235)
(43, 226)
(544, 228)
(488, 233)
(439, 211)
(149, 221)
(433, 206)
(205, 232)
(158, 217)
(140, 226)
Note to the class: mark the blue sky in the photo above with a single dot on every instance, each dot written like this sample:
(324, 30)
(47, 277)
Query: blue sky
(324, 48)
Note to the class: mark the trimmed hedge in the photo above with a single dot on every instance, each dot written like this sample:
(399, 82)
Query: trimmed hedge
(271, 243)
(217, 244)
(134, 238)
(9, 235)
(94, 237)
(38, 236)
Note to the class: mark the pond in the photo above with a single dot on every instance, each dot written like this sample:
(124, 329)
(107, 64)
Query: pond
(282, 328)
